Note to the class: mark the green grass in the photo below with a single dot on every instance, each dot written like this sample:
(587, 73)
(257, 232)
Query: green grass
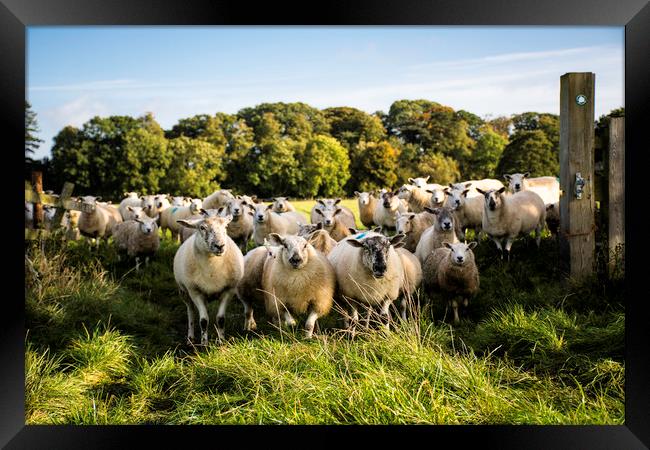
(105, 345)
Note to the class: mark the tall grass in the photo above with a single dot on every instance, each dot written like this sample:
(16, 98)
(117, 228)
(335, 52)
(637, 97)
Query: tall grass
(105, 345)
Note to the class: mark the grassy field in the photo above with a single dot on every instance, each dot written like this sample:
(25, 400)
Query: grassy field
(106, 346)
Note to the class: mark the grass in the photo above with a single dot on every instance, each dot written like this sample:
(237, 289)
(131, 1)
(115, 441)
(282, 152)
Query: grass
(106, 346)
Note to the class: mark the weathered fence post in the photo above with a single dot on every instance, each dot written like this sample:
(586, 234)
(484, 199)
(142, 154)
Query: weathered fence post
(616, 197)
(37, 185)
(577, 205)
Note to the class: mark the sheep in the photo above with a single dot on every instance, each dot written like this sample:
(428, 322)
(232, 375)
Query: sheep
(452, 269)
(468, 210)
(161, 203)
(553, 217)
(186, 232)
(422, 183)
(267, 221)
(412, 226)
(367, 203)
(507, 216)
(240, 229)
(444, 228)
(149, 205)
(333, 222)
(386, 211)
(305, 229)
(132, 213)
(282, 205)
(217, 199)
(249, 287)
(170, 216)
(207, 264)
(71, 224)
(548, 188)
(412, 277)
(326, 203)
(100, 221)
(180, 201)
(138, 237)
(130, 199)
(298, 280)
(29, 214)
(484, 184)
(369, 272)
(321, 241)
(48, 217)
(416, 197)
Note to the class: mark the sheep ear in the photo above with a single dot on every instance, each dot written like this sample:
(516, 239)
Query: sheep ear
(130, 208)
(447, 244)
(507, 176)
(527, 174)
(353, 230)
(465, 192)
(251, 213)
(319, 226)
(336, 202)
(355, 243)
(481, 191)
(472, 244)
(500, 191)
(138, 220)
(430, 191)
(204, 212)
(550, 207)
(429, 210)
(338, 210)
(356, 193)
(275, 239)
(318, 211)
(377, 229)
(446, 190)
(410, 180)
(191, 223)
(270, 206)
(287, 198)
(220, 210)
(468, 185)
(321, 202)
(397, 239)
(451, 185)
(426, 178)
(412, 217)
(98, 198)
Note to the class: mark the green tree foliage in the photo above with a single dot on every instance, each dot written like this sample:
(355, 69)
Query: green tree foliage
(442, 169)
(297, 121)
(501, 125)
(195, 167)
(486, 154)
(350, 126)
(32, 142)
(529, 151)
(548, 123)
(375, 166)
(325, 166)
(71, 159)
(146, 160)
(273, 168)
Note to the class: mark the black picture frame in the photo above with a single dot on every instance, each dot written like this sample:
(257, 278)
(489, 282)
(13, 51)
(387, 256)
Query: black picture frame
(16, 15)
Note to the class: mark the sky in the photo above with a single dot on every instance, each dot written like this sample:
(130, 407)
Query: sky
(75, 73)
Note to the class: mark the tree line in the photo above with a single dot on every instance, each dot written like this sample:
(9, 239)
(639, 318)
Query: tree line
(296, 150)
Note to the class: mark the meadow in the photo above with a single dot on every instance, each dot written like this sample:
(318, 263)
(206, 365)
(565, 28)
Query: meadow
(106, 345)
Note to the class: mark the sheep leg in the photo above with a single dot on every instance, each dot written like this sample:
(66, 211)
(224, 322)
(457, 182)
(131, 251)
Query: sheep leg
(249, 321)
(190, 321)
(497, 241)
(454, 305)
(509, 241)
(353, 321)
(137, 263)
(289, 321)
(538, 233)
(221, 313)
(309, 324)
(146, 260)
(403, 306)
(367, 319)
(385, 314)
(198, 299)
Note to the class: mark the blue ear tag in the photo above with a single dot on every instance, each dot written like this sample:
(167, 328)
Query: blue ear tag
(361, 235)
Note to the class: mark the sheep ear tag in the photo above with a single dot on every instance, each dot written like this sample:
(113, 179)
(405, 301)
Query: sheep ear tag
(362, 235)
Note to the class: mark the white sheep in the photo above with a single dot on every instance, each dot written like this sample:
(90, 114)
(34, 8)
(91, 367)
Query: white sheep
(71, 224)
(367, 203)
(416, 197)
(507, 216)
(100, 221)
(333, 222)
(170, 216)
(452, 270)
(369, 273)
(217, 199)
(386, 211)
(282, 205)
(468, 210)
(249, 288)
(412, 278)
(139, 237)
(444, 228)
(421, 182)
(484, 184)
(548, 188)
(241, 228)
(132, 213)
(267, 221)
(130, 199)
(297, 280)
(412, 226)
(208, 264)
(321, 240)
(332, 203)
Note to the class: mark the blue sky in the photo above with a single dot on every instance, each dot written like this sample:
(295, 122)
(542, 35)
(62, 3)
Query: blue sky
(75, 73)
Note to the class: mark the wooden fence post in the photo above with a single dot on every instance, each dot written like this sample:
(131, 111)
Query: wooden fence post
(577, 221)
(37, 185)
(616, 197)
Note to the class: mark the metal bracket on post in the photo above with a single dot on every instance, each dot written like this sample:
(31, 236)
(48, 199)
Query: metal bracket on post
(579, 186)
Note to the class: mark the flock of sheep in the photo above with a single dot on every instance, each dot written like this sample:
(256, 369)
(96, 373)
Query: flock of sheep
(302, 268)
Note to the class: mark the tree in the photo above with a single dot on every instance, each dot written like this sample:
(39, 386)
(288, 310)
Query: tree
(530, 151)
(273, 169)
(441, 168)
(375, 166)
(32, 142)
(501, 125)
(146, 160)
(486, 154)
(350, 126)
(325, 166)
(194, 167)
(71, 159)
(297, 121)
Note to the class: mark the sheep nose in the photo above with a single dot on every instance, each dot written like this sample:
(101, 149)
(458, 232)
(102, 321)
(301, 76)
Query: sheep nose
(459, 258)
(295, 261)
(328, 223)
(517, 186)
(446, 225)
(457, 202)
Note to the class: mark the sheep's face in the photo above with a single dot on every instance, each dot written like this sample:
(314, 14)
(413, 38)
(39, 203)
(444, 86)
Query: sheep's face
(375, 252)
(294, 250)
(325, 203)
(363, 197)
(404, 223)
(178, 201)
(445, 219)
(419, 182)
(328, 216)
(390, 200)
(48, 212)
(437, 196)
(456, 198)
(147, 225)
(493, 198)
(405, 192)
(130, 195)
(262, 212)
(460, 253)
(516, 181)
(195, 205)
(160, 202)
(280, 204)
(149, 204)
(305, 229)
(136, 212)
(212, 234)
